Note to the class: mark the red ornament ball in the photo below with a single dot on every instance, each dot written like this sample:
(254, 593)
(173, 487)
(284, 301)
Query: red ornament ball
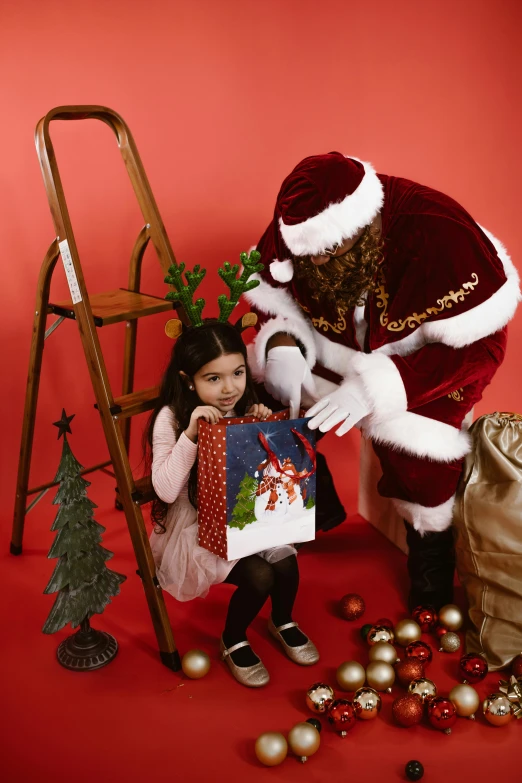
(384, 622)
(408, 670)
(419, 651)
(440, 631)
(341, 715)
(473, 667)
(352, 606)
(516, 666)
(426, 617)
(442, 713)
(407, 710)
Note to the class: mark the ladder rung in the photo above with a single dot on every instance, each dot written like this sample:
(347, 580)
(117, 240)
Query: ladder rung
(111, 307)
(143, 491)
(132, 404)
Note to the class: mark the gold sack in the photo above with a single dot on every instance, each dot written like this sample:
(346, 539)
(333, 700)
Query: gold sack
(488, 524)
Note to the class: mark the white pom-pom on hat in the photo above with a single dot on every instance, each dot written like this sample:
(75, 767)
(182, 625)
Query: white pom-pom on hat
(282, 271)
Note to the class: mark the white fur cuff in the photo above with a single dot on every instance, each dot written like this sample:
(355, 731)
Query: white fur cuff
(382, 382)
(290, 326)
(425, 519)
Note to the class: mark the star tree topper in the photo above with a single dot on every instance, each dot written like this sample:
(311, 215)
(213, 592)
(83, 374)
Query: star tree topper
(64, 424)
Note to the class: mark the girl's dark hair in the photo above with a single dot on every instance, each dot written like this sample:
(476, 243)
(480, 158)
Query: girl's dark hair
(196, 346)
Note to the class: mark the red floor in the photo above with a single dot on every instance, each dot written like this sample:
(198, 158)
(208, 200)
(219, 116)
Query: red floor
(135, 720)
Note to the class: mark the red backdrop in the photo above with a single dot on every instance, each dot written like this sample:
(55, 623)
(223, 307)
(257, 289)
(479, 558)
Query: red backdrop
(223, 98)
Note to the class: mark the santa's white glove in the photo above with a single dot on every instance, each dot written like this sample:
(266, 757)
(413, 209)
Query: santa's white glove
(346, 406)
(287, 375)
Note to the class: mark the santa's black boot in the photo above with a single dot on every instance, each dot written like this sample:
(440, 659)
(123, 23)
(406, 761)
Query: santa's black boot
(431, 566)
(329, 511)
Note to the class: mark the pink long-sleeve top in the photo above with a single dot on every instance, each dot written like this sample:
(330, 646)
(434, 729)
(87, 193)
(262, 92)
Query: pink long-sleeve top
(172, 459)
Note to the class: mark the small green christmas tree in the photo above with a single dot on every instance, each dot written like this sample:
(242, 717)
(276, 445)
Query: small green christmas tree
(243, 513)
(84, 583)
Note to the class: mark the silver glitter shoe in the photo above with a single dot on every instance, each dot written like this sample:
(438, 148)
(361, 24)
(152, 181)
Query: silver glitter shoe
(252, 676)
(306, 654)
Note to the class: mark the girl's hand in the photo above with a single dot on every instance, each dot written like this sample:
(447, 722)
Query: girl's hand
(260, 411)
(207, 412)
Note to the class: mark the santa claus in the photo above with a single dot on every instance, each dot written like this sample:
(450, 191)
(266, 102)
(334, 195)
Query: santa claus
(396, 289)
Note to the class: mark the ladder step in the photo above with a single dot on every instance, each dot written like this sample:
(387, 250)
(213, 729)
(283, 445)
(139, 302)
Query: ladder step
(143, 491)
(111, 307)
(132, 404)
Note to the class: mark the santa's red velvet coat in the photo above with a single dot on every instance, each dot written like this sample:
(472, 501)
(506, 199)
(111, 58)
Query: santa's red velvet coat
(436, 334)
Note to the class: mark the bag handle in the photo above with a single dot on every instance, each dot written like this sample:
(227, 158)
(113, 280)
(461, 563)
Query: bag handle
(277, 465)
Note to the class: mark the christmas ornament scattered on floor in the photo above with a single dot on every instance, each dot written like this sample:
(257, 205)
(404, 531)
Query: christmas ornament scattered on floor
(82, 580)
(367, 703)
(442, 713)
(408, 710)
(352, 606)
(351, 676)
(449, 642)
(316, 723)
(304, 740)
(497, 709)
(424, 688)
(516, 666)
(408, 670)
(450, 617)
(407, 631)
(440, 631)
(341, 715)
(380, 675)
(426, 617)
(318, 697)
(473, 668)
(271, 748)
(466, 700)
(384, 622)
(414, 770)
(383, 651)
(195, 664)
(378, 633)
(419, 651)
(365, 630)
(512, 688)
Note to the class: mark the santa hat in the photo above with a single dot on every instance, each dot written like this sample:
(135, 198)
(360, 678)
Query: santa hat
(325, 200)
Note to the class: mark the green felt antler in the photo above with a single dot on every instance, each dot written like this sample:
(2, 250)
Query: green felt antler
(185, 291)
(238, 285)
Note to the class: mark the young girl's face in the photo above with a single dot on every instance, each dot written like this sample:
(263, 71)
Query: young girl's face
(221, 382)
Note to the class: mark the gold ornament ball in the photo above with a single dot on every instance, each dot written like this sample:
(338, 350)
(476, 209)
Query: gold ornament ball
(366, 703)
(497, 709)
(351, 676)
(450, 617)
(424, 688)
(383, 651)
(380, 675)
(466, 700)
(407, 631)
(319, 696)
(271, 748)
(304, 740)
(195, 664)
(449, 642)
(378, 633)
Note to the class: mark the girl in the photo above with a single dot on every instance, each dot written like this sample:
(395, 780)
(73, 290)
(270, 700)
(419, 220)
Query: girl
(208, 378)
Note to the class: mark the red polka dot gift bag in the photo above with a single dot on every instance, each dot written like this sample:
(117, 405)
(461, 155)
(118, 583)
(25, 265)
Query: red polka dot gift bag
(256, 484)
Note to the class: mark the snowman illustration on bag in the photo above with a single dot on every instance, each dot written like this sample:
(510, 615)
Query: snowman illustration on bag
(279, 492)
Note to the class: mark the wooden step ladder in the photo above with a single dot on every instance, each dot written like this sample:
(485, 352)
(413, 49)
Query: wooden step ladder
(91, 312)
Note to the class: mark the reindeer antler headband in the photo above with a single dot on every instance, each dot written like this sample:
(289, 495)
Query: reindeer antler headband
(184, 292)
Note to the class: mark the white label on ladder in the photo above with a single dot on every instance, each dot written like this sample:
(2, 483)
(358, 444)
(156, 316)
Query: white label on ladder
(74, 288)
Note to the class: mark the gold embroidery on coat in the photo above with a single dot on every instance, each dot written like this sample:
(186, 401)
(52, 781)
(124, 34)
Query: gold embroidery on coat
(457, 395)
(416, 319)
(322, 323)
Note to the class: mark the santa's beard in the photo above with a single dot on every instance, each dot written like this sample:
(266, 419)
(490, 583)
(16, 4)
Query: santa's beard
(345, 279)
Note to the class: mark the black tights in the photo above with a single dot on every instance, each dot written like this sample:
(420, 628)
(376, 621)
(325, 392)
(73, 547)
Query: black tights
(256, 579)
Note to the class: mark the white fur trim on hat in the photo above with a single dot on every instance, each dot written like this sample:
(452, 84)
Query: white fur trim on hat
(282, 271)
(338, 222)
(425, 519)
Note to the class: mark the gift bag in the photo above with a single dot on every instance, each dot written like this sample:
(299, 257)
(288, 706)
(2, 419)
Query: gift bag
(256, 484)
(488, 522)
